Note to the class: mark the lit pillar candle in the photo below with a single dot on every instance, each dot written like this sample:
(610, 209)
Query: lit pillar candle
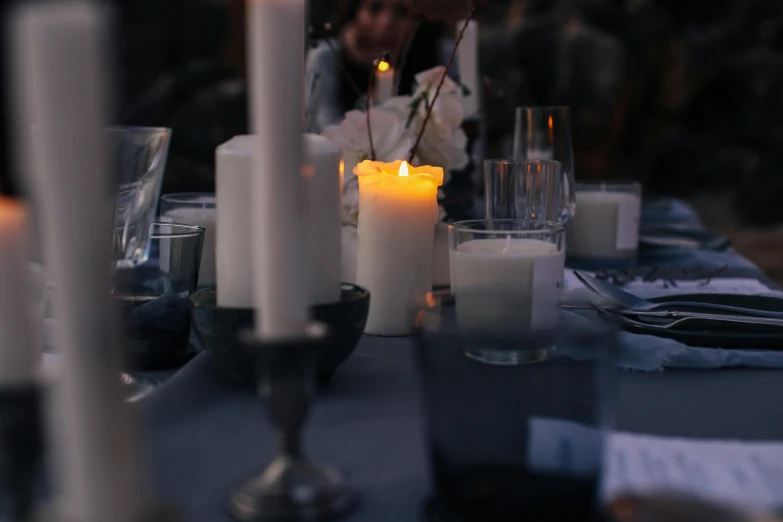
(233, 240)
(468, 63)
(384, 82)
(19, 356)
(321, 172)
(398, 210)
(60, 69)
(276, 48)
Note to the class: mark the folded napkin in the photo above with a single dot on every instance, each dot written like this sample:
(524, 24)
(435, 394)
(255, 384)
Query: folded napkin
(650, 353)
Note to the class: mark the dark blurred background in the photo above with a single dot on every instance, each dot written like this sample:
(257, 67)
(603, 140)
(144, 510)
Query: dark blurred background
(684, 95)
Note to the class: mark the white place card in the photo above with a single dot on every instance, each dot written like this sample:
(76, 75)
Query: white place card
(629, 212)
(548, 272)
(744, 474)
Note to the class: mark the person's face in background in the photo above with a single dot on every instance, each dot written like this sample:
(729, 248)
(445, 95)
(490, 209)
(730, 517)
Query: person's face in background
(379, 26)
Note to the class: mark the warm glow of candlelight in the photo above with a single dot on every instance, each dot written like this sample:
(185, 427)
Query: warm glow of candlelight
(404, 168)
(383, 66)
(400, 176)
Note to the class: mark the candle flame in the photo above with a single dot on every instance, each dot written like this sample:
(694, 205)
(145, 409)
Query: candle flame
(383, 66)
(404, 168)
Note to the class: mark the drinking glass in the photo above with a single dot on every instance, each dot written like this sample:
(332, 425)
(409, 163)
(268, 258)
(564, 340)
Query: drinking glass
(199, 209)
(137, 157)
(522, 442)
(528, 189)
(153, 299)
(507, 278)
(605, 232)
(545, 133)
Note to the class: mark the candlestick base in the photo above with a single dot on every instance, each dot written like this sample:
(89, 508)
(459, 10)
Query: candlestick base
(291, 488)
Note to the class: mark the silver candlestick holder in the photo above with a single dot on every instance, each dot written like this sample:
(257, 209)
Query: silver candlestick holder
(291, 488)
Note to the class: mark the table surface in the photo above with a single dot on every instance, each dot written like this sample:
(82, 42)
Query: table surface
(206, 436)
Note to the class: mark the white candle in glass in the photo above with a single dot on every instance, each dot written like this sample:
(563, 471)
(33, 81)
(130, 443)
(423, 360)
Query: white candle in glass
(19, 356)
(384, 82)
(60, 56)
(199, 210)
(468, 63)
(505, 285)
(276, 48)
(606, 223)
(398, 210)
(321, 172)
(233, 241)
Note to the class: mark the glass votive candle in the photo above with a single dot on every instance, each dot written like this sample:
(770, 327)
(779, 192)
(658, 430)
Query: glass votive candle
(198, 209)
(521, 442)
(507, 274)
(153, 299)
(604, 233)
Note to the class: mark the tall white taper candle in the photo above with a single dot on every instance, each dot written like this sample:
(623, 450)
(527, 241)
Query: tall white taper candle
(19, 357)
(60, 70)
(468, 63)
(276, 40)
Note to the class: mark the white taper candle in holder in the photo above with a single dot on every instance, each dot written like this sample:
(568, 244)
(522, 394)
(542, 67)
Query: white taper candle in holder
(468, 63)
(321, 178)
(234, 238)
(276, 48)
(19, 356)
(60, 66)
(398, 210)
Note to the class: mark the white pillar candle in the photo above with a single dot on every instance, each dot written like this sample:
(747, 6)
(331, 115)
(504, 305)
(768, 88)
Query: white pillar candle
(19, 356)
(60, 69)
(398, 210)
(384, 83)
(199, 211)
(276, 48)
(506, 285)
(441, 270)
(321, 171)
(605, 226)
(468, 63)
(233, 252)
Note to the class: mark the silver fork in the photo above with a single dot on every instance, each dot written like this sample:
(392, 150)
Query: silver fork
(703, 317)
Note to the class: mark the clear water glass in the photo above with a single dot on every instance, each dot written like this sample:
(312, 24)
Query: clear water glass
(521, 442)
(199, 209)
(528, 189)
(137, 157)
(544, 133)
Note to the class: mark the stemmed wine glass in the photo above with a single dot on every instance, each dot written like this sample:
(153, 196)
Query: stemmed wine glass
(544, 133)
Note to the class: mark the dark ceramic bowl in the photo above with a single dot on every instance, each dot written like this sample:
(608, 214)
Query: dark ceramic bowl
(218, 330)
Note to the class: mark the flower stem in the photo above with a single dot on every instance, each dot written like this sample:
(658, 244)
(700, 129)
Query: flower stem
(440, 84)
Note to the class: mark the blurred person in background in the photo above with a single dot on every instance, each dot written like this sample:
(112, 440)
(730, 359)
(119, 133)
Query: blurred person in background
(362, 31)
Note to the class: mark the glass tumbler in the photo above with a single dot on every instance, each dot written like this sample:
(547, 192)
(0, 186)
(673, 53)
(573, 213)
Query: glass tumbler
(528, 189)
(153, 298)
(507, 279)
(137, 158)
(199, 209)
(605, 231)
(522, 442)
(545, 133)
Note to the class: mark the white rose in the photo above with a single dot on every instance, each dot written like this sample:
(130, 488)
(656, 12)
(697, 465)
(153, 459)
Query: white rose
(391, 139)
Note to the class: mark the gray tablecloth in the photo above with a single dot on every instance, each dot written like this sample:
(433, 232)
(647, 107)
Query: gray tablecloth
(205, 436)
